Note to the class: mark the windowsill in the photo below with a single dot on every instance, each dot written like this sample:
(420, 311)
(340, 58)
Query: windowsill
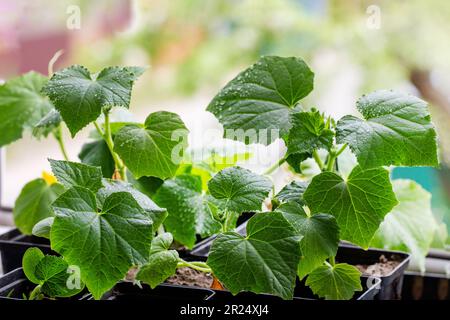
(6, 220)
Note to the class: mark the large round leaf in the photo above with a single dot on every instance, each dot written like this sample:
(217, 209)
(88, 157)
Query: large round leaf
(156, 149)
(262, 97)
(359, 203)
(265, 261)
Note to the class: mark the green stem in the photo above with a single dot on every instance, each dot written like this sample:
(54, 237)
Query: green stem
(59, 137)
(196, 265)
(332, 261)
(36, 291)
(331, 160)
(275, 166)
(107, 136)
(53, 60)
(317, 159)
(333, 156)
(341, 150)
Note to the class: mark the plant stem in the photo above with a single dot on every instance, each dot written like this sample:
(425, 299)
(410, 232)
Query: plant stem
(36, 291)
(53, 60)
(59, 137)
(333, 156)
(196, 265)
(332, 261)
(107, 136)
(275, 166)
(331, 159)
(341, 150)
(317, 159)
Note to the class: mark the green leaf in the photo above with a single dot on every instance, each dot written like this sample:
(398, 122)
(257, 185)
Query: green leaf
(320, 236)
(104, 244)
(43, 227)
(161, 242)
(292, 192)
(47, 124)
(71, 174)
(187, 205)
(359, 203)
(160, 266)
(157, 214)
(263, 97)
(34, 204)
(397, 130)
(265, 261)
(295, 160)
(30, 260)
(21, 105)
(50, 272)
(53, 275)
(308, 133)
(79, 96)
(162, 263)
(410, 226)
(155, 149)
(97, 154)
(135, 71)
(146, 185)
(239, 189)
(338, 282)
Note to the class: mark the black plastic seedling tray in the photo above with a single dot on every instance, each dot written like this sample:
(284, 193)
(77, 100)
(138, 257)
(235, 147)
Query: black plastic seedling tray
(429, 286)
(127, 291)
(13, 245)
(391, 284)
(301, 292)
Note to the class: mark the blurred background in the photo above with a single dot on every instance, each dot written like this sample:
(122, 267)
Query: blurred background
(193, 47)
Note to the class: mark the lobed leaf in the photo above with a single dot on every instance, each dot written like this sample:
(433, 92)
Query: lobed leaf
(21, 105)
(239, 189)
(263, 97)
(155, 149)
(34, 204)
(265, 261)
(359, 204)
(397, 130)
(104, 244)
(320, 236)
(71, 174)
(338, 282)
(79, 96)
(187, 206)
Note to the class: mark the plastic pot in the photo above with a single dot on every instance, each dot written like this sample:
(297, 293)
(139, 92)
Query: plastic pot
(391, 284)
(13, 245)
(127, 291)
(14, 284)
(425, 287)
(301, 292)
(371, 289)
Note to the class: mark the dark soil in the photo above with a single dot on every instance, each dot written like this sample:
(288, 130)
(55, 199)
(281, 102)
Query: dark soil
(382, 268)
(191, 277)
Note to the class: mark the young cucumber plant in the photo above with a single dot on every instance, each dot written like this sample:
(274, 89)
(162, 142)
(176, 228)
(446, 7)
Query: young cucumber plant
(52, 275)
(106, 226)
(101, 225)
(395, 130)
